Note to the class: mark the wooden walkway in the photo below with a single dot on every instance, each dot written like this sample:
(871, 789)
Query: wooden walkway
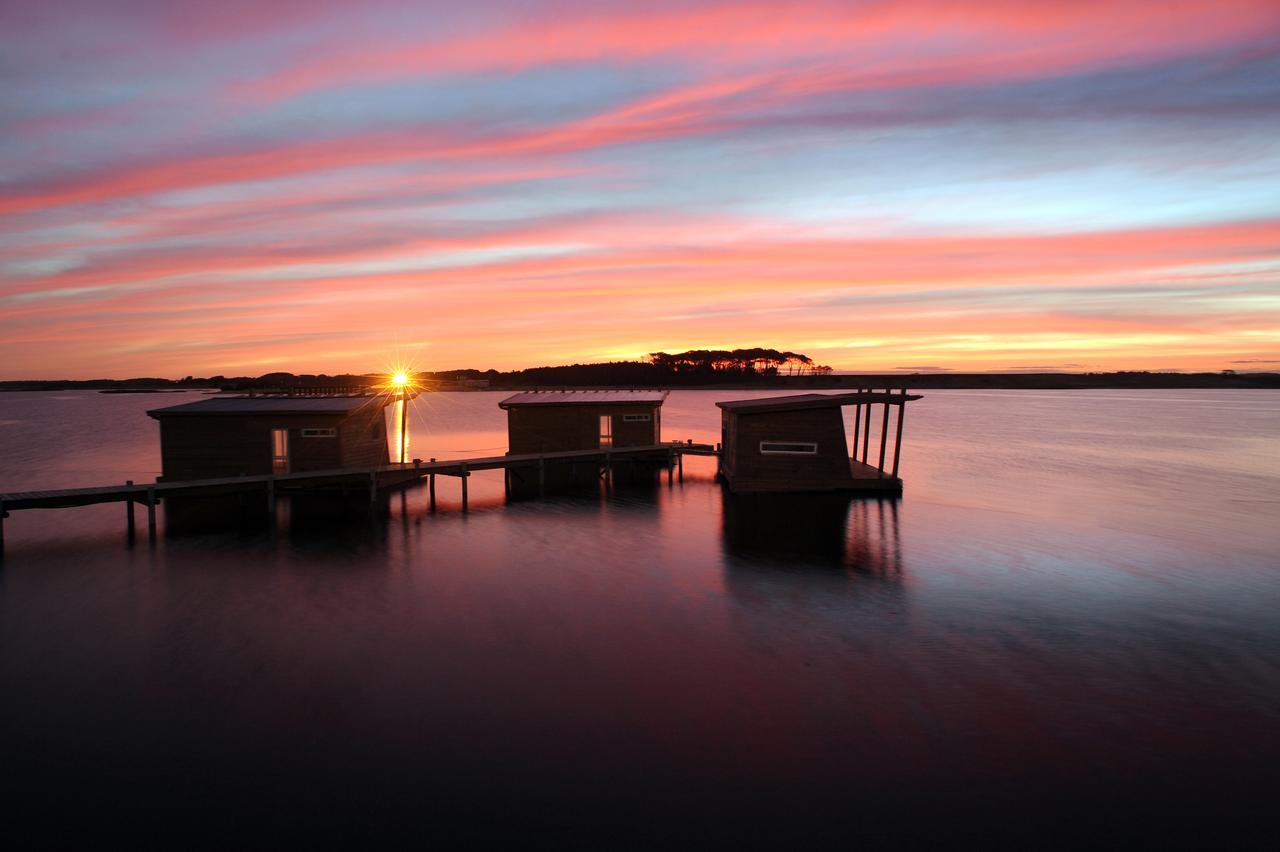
(375, 479)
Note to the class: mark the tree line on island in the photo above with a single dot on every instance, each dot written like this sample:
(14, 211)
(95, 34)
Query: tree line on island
(760, 367)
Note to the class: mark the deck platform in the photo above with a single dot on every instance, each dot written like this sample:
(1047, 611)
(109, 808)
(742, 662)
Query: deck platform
(375, 479)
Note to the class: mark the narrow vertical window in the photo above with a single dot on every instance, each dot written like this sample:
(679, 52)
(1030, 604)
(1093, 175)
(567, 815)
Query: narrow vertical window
(279, 450)
(606, 431)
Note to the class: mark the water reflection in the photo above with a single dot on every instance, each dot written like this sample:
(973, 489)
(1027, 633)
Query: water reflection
(857, 536)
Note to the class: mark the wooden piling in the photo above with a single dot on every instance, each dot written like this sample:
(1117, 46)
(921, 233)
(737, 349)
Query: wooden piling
(506, 482)
(373, 486)
(431, 486)
(271, 496)
(464, 476)
(542, 477)
(897, 443)
(866, 433)
(151, 514)
(3, 515)
(857, 424)
(128, 515)
(884, 431)
(680, 466)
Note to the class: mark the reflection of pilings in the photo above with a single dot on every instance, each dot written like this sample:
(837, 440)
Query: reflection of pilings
(873, 543)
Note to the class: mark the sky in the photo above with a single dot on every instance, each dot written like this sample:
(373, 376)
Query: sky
(242, 187)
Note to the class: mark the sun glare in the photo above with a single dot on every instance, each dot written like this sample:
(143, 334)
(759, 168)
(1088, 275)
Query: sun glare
(400, 379)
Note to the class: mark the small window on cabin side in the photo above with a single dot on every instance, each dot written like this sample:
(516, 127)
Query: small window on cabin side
(636, 418)
(319, 433)
(788, 448)
(606, 431)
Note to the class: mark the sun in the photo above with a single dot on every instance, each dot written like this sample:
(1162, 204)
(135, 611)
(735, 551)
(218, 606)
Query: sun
(399, 379)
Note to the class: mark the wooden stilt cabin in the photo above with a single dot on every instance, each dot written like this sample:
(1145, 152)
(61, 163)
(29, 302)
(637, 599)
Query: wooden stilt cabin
(258, 435)
(798, 442)
(558, 421)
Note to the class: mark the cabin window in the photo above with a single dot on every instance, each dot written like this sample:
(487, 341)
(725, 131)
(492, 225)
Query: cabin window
(319, 433)
(279, 450)
(636, 418)
(788, 448)
(606, 431)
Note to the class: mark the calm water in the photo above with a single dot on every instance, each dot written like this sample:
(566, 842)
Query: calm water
(1068, 629)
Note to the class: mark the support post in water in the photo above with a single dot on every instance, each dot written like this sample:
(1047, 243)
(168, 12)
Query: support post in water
(128, 514)
(431, 485)
(373, 486)
(151, 514)
(542, 477)
(271, 495)
(897, 444)
(884, 428)
(464, 476)
(506, 482)
(680, 466)
(3, 515)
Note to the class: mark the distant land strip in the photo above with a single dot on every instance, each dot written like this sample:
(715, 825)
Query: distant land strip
(577, 378)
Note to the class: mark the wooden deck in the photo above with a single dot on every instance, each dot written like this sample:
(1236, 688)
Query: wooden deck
(374, 479)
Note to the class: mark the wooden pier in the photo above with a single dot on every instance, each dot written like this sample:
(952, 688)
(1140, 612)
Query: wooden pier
(374, 479)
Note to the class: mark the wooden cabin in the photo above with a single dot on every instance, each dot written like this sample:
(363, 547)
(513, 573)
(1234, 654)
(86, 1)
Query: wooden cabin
(257, 435)
(559, 421)
(798, 442)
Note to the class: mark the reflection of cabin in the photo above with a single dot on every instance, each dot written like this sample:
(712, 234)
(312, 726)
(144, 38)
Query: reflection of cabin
(797, 443)
(558, 421)
(235, 436)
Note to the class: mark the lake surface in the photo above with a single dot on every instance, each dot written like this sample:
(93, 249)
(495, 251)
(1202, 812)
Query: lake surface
(1066, 631)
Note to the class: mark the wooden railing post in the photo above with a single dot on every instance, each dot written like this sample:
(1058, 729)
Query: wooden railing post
(897, 444)
(857, 424)
(866, 432)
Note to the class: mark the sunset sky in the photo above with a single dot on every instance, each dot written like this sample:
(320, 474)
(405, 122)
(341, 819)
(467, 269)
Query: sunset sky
(242, 186)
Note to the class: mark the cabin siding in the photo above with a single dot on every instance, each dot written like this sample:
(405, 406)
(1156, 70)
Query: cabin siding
(363, 439)
(559, 428)
(205, 447)
(747, 469)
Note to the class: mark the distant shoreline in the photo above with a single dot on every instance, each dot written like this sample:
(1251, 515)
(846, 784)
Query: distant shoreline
(924, 381)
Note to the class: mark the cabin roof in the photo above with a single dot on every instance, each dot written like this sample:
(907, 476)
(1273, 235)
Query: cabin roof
(343, 405)
(585, 397)
(801, 401)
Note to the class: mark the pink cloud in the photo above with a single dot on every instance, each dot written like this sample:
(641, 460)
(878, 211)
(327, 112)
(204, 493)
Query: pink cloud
(879, 44)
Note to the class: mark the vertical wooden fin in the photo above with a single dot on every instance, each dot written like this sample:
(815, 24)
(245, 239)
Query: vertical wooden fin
(884, 429)
(897, 444)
